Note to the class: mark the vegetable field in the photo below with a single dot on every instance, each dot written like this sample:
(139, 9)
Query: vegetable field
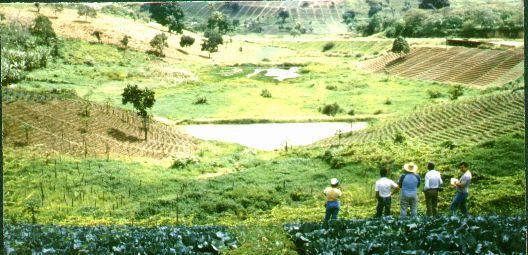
(49, 239)
(442, 235)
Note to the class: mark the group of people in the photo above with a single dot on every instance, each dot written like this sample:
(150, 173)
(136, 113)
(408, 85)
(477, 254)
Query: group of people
(409, 183)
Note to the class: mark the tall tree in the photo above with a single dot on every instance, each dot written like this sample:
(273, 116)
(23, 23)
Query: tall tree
(141, 100)
(211, 41)
(434, 4)
(58, 7)
(43, 30)
(86, 11)
(283, 15)
(400, 45)
(98, 34)
(218, 22)
(158, 43)
(168, 14)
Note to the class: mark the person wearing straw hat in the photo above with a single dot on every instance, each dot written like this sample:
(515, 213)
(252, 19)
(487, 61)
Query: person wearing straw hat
(409, 182)
(332, 193)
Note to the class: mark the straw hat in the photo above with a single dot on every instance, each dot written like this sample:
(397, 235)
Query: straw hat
(410, 167)
(334, 181)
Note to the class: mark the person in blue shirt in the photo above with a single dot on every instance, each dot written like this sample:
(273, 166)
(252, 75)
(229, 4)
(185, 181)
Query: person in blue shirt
(409, 183)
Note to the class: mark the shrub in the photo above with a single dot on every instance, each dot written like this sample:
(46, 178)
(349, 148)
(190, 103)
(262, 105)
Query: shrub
(331, 109)
(98, 35)
(43, 30)
(399, 138)
(433, 4)
(351, 112)
(331, 87)
(183, 161)
(433, 93)
(265, 93)
(448, 144)
(186, 41)
(328, 46)
(388, 101)
(200, 100)
(400, 45)
(124, 41)
(455, 92)
(377, 112)
(158, 43)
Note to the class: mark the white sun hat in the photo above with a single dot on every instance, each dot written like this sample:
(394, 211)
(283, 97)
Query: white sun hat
(410, 167)
(334, 181)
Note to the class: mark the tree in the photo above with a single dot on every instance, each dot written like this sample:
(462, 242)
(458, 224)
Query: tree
(168, 14)
(37, 5)
(211, 41)
(295, 32)
(124, 41)
(98, 35)
(434, 4)
(236, 23)
(400, 45)
(455, 92)
(27, 129)
(57, 8)
(218, 22)
(86, 11)
(142, 100)
(43, 30)
(159, 42)
(374, 8)
(283, 15)
(349, 17)
(186, 41)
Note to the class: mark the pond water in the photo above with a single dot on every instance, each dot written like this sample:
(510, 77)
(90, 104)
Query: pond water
(278, 73)
(271, 136)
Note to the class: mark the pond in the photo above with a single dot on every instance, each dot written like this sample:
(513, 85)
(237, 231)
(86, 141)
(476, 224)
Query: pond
(271, 136)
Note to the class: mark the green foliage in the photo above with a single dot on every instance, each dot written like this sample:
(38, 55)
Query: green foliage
(349, 17)
(331, 87)
(455, 92)
(183, 161)
(331, 109)
(374, 8)
(124, 41)
(28, 239)
(211, 41)
(218, 22)
(328, 46)
(158, 43)
(167, 14)
(400, 45)
(98, 34)
(283, 15)
(86, 11)
(265, 93)
(351, 112)
(433, 4)
(43, 30)
(141, 99)
(57, 8)
(434, 93)
(186, 41)
(387, 101)
(200, 100)
(483, 235)
(399, 138)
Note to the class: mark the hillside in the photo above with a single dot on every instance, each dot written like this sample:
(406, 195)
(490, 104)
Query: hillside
(467, 121)
(61, 126)
(476, 67)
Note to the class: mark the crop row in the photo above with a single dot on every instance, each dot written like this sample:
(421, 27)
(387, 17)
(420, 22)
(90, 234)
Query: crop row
(60, 126)
(440, 235)
(479, 67)
(466, 121)
(48, 239)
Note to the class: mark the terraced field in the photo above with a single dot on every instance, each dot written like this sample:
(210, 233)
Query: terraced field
(466, 121)
(478, 67)
(59, 126)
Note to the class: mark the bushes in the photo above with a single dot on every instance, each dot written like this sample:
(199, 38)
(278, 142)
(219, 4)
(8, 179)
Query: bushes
(400, 45)
(328, 46)
(331, 87)
(186, 41)
(433, 93)
(183, 161)
(265, 93)
(200, 100)
(331, 109)
(455, 92)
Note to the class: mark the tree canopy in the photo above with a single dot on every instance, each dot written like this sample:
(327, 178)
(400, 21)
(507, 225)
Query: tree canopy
(211, 41)
(158, 43)
(43, 30)
(141, 100)
(434, 4)
(400, 45)
(168, 14)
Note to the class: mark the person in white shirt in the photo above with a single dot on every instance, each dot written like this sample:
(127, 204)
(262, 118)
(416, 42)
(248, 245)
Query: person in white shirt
(462, 190)
(384, 187)
(433, 182)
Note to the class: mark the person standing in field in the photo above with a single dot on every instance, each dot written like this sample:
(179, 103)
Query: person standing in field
(384, 187)
(409, 182)
(462, 189)
(332, 194)
(432, 183)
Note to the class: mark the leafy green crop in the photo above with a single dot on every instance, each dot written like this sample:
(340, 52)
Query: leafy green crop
(44, 239)
(442, 235)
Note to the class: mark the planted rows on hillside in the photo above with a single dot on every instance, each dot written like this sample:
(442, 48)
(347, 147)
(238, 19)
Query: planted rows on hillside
(49, 239)
(467, 121)
(80, 127)
(457, 64)
(442, 235)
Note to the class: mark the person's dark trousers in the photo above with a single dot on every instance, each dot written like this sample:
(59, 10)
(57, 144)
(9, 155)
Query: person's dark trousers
(332, 209)
(384, 205)
(431, 201)
(459, 202)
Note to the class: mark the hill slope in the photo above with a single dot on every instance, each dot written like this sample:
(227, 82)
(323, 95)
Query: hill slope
(59, 125)
(476, 67)
(465, 121)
